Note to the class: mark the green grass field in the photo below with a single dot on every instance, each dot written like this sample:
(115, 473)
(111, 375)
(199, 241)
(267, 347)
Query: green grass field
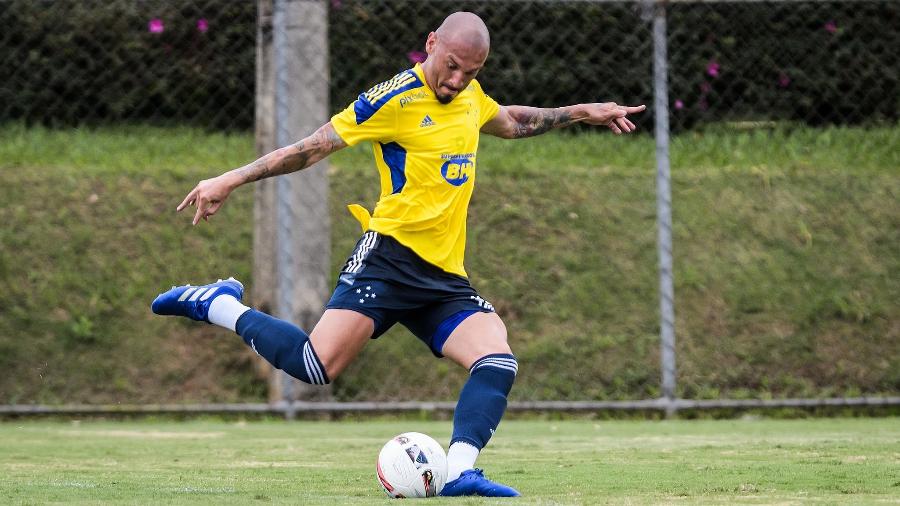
(823, 461)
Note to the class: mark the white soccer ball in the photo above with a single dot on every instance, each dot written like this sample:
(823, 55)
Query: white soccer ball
(412, 465)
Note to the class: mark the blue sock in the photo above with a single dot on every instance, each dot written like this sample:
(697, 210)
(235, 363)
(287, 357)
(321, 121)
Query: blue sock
(283, 344)
(483, 399)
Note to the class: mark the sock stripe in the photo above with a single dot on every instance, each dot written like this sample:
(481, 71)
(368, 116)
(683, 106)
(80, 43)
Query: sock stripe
(312, 367)
(498, 362)
(497, 366)
(306, 364)
(492, 360)
(312, 377)
(514, 370)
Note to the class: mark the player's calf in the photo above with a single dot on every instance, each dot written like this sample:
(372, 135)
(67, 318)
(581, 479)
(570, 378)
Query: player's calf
(481, 405)
(283, 344)
(482, 401)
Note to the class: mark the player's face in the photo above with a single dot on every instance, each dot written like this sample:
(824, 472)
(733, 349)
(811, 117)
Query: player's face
(451, 66)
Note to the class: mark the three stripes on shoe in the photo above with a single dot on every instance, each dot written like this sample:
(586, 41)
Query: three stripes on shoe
(198, 293)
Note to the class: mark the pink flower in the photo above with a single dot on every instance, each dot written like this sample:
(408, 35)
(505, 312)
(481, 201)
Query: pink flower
(784, 80)
(202, 25)
(712, 68)
(337, 4)
(416, 56)
(155, 26)
(679, 105)
(705, 87)
(831, 27)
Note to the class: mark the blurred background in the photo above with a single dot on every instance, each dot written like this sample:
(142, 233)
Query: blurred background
(785, 176)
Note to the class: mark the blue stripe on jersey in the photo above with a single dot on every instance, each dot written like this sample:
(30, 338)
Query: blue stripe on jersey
(365, 109)
(395, 158)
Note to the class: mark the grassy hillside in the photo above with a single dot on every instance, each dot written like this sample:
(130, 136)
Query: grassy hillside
(786, 246)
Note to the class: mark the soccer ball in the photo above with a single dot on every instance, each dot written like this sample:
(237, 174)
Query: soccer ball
(412, 465)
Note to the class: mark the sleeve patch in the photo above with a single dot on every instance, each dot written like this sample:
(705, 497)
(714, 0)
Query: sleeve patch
(371, 101)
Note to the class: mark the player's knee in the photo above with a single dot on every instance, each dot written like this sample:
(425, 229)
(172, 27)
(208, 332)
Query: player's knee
(497, 338)
(481, 334)
(494, 342)
(497, 328)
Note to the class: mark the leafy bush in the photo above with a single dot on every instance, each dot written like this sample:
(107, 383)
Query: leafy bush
(92, 62)
(193, 61)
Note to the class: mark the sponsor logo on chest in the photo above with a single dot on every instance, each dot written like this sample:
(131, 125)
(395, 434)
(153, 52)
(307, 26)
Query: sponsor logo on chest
(412, 97)
(457, 169)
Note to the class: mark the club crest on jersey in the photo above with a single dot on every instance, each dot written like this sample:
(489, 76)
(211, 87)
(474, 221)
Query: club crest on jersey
(457, 169)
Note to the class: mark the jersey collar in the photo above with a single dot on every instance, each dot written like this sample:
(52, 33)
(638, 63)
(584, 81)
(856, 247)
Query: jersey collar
(421, 75)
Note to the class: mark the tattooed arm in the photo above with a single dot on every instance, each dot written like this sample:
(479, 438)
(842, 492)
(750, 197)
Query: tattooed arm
(210, 194)
(518, 121)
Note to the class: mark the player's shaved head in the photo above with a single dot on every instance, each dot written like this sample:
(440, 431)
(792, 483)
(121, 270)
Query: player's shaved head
(465, 29)
(456, 51)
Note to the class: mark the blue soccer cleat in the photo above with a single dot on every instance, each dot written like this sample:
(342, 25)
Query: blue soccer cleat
(193, 301)
(473, 482)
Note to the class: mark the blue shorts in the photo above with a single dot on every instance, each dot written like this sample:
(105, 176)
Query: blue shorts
(389, 283)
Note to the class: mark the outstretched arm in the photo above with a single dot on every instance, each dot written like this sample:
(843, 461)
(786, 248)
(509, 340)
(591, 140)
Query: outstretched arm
(517, 121)
(210, 194)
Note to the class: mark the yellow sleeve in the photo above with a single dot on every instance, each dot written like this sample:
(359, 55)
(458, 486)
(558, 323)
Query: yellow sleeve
(488, 109)
(364, 121)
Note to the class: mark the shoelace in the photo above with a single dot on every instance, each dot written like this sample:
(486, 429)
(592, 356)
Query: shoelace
(477, 471)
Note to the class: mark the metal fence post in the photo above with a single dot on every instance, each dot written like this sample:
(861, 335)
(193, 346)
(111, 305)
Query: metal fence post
(664, 207)
(303, 227)
(264, 288)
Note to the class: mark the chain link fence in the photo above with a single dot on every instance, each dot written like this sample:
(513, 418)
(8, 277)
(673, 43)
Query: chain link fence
(757, 65)
(817, 62)
(100, 62)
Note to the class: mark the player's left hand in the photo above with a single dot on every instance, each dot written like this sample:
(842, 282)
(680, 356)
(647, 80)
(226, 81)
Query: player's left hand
(612, 115)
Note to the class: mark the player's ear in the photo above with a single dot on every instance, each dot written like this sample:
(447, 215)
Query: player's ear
(430, 43)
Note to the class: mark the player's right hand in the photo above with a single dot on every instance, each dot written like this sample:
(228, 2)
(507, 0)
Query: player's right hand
(208, 196)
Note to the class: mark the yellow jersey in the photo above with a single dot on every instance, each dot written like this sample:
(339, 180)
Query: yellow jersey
(425, 152)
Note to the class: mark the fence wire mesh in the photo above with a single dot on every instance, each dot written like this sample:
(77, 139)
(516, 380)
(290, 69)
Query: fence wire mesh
(194, 60)
(95, 62)
(751, 68)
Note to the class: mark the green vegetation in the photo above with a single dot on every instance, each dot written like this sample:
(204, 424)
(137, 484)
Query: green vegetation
(188, 151)
(785, 243)
(830, 66)
(550, 462)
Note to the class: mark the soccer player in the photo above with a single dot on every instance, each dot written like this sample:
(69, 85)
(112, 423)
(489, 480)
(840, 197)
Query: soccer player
(407, 268)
